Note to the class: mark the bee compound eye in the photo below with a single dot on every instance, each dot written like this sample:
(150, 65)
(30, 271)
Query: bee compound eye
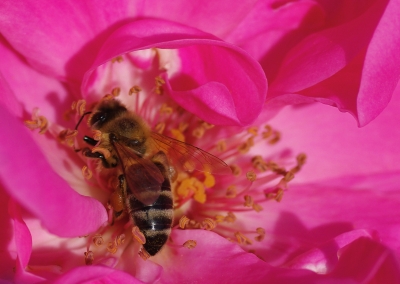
(134, 143)
(98, 117)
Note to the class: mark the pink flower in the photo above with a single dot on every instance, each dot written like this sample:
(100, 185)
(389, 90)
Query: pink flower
(337, 222)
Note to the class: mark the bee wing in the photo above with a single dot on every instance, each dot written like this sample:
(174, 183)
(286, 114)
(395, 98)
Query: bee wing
(142, 176)
(189, 157)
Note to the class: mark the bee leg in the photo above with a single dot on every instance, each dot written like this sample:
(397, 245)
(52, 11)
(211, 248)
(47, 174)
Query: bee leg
(97, 155)
(117, 201)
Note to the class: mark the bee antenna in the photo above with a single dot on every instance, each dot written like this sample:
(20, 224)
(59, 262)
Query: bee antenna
(80, 120)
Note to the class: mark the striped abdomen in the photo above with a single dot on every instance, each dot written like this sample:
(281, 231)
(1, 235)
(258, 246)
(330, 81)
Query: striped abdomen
(155, 220)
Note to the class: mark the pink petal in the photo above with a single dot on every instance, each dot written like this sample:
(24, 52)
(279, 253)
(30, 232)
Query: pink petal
(351, 72)
(218, 82)
(378, 265)
(335, 146)
(41, 190)
(96, 274)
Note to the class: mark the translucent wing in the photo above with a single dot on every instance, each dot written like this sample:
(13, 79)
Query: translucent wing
(189, 157)
(142, 176)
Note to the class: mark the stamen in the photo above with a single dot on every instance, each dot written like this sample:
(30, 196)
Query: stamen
(97, 240)
(261, 234)
(79, 107)
(118, 59)
(242, 239)
(115, 92)
(253, 130)
(159, 90)
(231, 191)
(257, 207)
(183, 221)
(159, 128)
(209, 180)
(89, 257)
(190, 244)
(120, 239)
(178, 135)
(138, 235)
(38, 121)
(135, 90)
(248, 201)
(208, 224)
(251, 176)
(144, 254)
(166, 110)
(86, 172)
(236, 170)
(112, 247)
(67, 136)
(221, 146)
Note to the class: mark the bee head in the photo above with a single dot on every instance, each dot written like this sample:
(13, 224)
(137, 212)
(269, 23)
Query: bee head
(106, 111)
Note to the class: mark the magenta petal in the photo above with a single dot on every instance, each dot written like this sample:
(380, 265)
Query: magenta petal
(96, 274)
(217, 81)
(344, 66)
(28, 177)
(378, 265)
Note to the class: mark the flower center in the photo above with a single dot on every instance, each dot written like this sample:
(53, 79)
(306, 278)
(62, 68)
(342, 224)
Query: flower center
(201, 199)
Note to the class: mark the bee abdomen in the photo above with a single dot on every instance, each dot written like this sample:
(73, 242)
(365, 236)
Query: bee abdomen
(155, 220)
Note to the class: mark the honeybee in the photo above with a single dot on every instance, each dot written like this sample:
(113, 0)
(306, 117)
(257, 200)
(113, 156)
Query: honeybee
(144, 162)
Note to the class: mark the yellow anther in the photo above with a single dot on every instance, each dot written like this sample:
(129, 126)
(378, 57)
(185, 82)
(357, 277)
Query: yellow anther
(261, 234)
(257, 207)
(236, 170)
(138, 235)
(289, 176)
(231, 191)
(268, 132)
(183, 221)
(253, 130)
(116, 91)
(134, 90)
(86, 172)
(248, 201)
(112, 247)
(208, 224)
(279, 195)
(209, 180)
(301, 159)
(251, 176)
(230, 218)
(178, 135)
(207, 125)
(67, 136)
(190, 244)
(242, 239)
(219, 218)
(221, 146)
(98, 240)
(259, 163)
(159, 81)
(80, 107)
(198, 132)
(118, 59)
(108, 97)
(106, 153)
(183, 126)
(166, 110)
(89, 257)
(276, 137)
(120, 239)
(160, 127)
(37, 122)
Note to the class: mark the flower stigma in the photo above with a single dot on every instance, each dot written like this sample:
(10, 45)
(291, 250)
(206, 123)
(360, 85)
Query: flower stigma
(202, 200)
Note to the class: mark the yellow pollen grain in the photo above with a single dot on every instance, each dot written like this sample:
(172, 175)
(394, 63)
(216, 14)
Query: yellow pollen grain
(86, 172)
(259, 163)
(231, 191)
(37, 122)
(183, 221)
(230, 217)
(251, 176)
(198, 132)
(134, 90)
(190, 244)
(116, 91)
(89, 257)
(178, 135)
(138, 235)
